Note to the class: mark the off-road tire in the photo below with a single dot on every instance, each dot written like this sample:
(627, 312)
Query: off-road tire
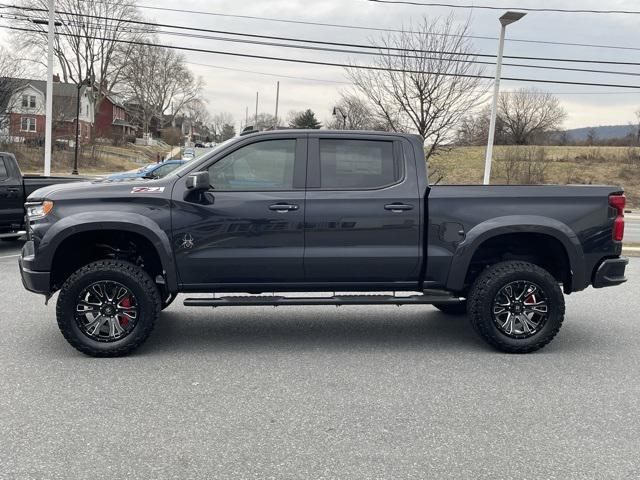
(487, 286)
(459, 308)
(128, 274)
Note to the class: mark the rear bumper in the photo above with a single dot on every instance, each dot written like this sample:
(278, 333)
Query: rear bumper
(610, 273)
(36, 282)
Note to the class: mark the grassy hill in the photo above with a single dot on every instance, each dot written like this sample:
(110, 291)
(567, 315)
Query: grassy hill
(93, 160)
(560, 165)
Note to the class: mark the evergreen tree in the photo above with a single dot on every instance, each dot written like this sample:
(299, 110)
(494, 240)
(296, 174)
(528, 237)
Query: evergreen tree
(228, 131)
(306, 119)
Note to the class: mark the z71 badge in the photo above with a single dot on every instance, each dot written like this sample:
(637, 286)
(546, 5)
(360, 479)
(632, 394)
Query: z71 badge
(147, 190)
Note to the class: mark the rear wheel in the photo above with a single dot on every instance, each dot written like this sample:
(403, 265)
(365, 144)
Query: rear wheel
(459, 308)
(108, 308)
(516, 307)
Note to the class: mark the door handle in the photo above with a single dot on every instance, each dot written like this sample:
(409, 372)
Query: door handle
(283, 207)
(398, 207)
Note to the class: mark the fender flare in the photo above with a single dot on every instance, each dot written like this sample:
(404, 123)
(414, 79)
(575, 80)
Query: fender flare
(122, 221)
(516, 224)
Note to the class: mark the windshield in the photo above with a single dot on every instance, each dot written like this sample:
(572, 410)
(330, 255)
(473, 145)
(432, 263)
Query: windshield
(190, 163)
(165, 170)
(144, 169)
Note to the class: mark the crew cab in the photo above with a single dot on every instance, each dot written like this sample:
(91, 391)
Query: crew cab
(14, 189)
(318, 211)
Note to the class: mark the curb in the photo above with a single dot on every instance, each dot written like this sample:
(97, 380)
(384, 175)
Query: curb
(631, 251)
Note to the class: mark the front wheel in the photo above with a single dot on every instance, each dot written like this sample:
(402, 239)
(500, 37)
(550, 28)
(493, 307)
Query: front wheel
(108, 308)
(516, 307)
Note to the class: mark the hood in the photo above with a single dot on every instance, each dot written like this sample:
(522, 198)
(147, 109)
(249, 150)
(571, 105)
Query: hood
(95, 189)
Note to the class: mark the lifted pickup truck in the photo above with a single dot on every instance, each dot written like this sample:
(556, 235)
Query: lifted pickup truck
(312, 211)
(14, 189)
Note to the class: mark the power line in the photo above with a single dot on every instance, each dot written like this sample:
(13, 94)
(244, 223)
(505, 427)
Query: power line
(334, 50)
(340, 65)
(353, 45)
(375, 29)
(347, 83)
(493, 7)
(276, 75)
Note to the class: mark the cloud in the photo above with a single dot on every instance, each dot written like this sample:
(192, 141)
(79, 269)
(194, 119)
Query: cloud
(231, 91)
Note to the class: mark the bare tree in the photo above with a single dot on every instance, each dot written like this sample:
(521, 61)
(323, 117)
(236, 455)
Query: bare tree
(263, 122)
(89, 44)
(218, 121)
(159, 84)
(353, 112)
(529, 114)
(473, 129)
(11, 71)
(197, 111)
(425, 82)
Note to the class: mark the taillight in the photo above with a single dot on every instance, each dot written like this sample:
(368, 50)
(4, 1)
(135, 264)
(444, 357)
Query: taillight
(618, 202)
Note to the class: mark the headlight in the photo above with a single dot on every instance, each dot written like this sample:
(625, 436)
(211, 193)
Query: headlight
(36, 211)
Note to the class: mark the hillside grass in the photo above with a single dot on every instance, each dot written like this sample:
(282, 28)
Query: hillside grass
(619, 166)
(93, 160)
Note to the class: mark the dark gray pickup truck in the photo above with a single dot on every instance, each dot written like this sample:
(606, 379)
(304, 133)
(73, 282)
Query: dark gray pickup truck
(14, 189)
(318, 211)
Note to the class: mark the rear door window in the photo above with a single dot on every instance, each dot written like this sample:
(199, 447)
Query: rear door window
(358, 164)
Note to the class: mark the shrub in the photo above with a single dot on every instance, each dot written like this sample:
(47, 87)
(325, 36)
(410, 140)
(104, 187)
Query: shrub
(523, 165)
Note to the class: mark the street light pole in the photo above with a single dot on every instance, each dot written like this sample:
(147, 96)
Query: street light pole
(277, 102)
(49, 102)
(76, 146)
(507, 19)
(344, 116)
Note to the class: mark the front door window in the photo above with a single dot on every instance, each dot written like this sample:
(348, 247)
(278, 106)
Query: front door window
(261, 166)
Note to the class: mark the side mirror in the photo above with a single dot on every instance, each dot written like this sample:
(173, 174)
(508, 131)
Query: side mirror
(198, 181)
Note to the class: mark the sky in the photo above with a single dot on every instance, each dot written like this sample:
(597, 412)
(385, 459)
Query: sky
(232, 82)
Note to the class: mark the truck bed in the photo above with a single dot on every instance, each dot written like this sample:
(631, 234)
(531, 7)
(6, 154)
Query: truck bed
(460, 215)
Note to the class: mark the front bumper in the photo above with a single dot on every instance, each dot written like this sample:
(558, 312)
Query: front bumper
(610, 273)
(36, 282)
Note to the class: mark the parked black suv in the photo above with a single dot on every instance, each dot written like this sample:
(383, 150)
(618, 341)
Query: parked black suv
(318, 211)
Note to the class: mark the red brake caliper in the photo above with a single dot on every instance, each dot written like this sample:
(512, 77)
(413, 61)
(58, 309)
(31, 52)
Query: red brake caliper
(125, 303)
(530, 300)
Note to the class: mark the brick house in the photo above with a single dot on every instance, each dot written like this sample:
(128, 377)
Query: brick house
(111, 119)
(25, 111)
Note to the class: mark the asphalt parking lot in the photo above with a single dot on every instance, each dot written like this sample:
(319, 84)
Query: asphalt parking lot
(315, 393)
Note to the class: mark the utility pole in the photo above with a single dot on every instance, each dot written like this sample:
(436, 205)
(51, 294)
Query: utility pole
(246, 117)
(49, 104)
(277, 100)
(255, 124)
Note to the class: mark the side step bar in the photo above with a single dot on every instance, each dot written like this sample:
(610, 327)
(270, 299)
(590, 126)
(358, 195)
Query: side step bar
(13, 234)
(268, 301)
